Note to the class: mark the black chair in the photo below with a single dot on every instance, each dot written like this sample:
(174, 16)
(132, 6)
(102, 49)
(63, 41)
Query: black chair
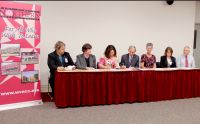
(158, 65)
(97, 65)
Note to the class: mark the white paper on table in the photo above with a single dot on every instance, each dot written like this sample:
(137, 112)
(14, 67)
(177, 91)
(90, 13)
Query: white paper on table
(68, 68)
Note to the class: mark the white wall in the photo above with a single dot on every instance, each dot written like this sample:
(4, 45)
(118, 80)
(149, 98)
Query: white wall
(121, 23)
(197, 19)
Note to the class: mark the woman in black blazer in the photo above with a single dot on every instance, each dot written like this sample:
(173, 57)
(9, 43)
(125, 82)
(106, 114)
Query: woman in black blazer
(168, 61)
(58, 60)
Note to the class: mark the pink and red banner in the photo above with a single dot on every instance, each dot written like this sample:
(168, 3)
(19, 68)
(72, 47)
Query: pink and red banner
(19, 48)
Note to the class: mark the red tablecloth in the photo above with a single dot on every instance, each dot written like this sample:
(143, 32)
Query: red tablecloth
(100, 88)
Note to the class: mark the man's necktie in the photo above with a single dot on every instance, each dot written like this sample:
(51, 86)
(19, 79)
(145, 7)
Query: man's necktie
(186, 61)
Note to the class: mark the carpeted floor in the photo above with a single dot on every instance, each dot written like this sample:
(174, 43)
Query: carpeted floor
(183, 111)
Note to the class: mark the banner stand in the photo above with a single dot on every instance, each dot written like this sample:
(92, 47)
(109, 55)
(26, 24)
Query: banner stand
(20, 55)
(20, 105)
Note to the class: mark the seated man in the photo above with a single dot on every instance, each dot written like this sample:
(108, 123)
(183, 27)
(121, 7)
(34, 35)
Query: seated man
(130, 59)
(86, 60)
(57, 60)
(186, 60)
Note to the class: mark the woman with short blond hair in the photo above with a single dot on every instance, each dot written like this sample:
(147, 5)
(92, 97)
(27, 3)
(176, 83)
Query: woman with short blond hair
(57, 60)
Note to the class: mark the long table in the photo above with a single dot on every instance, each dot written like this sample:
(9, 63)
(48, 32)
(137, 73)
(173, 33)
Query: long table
(104, 87)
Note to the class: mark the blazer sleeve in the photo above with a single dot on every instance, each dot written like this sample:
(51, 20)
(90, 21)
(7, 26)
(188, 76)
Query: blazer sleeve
(78, 63)
(162, 62)
(51, 62)
(137, 63)
(122, 61)
(173, 62)
(70, 61)
(94, 62)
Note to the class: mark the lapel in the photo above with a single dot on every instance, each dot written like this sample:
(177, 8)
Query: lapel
(166, 62)
(127, 59)
(132, 61)
(91, 60)
(83, 60)
(58, 60)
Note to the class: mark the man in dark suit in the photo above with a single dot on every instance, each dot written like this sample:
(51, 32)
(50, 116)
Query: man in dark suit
(57, 60)
(130, 59)
(86, 60)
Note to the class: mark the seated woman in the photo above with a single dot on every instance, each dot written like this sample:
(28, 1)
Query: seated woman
(168, 61)
(86, 60)
(148, 60)
(110, 59)
(58, 60)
